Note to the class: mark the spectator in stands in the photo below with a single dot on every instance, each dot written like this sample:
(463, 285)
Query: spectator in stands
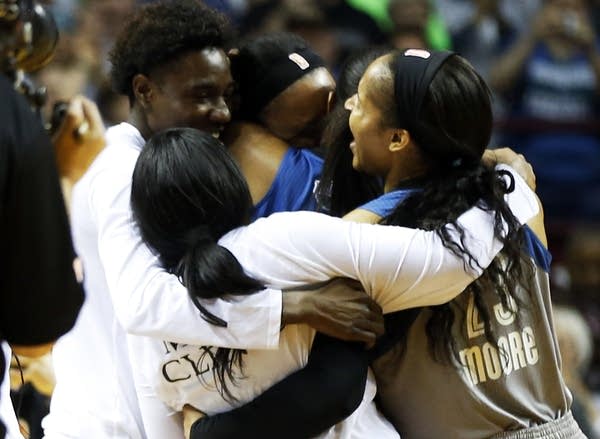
(551, 77)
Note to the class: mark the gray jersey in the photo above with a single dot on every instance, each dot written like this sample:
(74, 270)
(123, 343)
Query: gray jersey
(488, 390)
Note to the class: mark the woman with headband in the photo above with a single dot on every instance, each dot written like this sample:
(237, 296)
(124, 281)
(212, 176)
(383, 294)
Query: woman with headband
(421, 121)
(283, 89)
(206, 193)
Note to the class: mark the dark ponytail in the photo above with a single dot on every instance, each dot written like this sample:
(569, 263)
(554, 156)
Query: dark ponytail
(443, 198)
(186, 194)
(452, 130)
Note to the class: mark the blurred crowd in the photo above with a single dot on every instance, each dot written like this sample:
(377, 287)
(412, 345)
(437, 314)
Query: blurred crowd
(541, 59)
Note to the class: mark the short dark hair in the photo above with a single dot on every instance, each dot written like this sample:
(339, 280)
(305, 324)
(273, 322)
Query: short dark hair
(256, 58)
(160, 32)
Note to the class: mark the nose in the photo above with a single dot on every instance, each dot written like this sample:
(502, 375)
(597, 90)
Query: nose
(349, 104)
(220, 113)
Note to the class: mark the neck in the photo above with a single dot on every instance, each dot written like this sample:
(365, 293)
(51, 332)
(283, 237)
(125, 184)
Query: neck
(138, 119)
(408, 167)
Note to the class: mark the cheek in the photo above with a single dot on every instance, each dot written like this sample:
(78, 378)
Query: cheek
(353, 123)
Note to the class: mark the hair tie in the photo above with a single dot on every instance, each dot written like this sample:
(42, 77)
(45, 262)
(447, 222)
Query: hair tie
(197, 235)
(510, 185)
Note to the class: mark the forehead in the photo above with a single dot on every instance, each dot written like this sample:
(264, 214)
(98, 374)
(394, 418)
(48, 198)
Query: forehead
(377, 79)
(308, 92)
(312, 84)
(209, 66)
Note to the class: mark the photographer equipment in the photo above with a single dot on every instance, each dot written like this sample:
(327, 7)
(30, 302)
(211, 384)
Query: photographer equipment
(28, 39)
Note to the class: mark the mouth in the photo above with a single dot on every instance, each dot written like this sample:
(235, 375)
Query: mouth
(353, 146)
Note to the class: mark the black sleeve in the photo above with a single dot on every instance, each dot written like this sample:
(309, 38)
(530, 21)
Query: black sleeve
(304, 404)
(39, 295)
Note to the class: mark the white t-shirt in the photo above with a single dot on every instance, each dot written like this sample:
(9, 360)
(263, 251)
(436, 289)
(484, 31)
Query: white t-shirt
(126, 290)
(400, 268)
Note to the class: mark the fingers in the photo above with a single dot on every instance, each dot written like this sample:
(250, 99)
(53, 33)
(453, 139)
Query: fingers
(82, 117)
(372, 326)
(79, 139)
(73, 118)
(525, 170)
(354, 322)
(92, 115)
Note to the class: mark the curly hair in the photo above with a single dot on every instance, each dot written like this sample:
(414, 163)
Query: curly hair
(159, 33)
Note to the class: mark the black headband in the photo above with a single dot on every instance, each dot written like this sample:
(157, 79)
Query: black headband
(414, 71)
(283, 73)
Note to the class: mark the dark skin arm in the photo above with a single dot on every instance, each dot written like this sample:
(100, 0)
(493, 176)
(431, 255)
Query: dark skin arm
(339, 308)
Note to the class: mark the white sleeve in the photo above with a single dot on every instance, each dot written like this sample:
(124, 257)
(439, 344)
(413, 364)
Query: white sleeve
(399, 267)
(148, 301)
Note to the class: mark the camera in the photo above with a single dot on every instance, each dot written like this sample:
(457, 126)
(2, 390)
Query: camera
(28, 39)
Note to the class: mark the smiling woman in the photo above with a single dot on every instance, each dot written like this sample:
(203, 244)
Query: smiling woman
(421, 121)
(284, 86)
(193, 90)
(283, 89)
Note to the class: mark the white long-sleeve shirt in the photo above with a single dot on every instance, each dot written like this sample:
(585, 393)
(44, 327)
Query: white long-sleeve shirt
(127, 291)
(399, 267)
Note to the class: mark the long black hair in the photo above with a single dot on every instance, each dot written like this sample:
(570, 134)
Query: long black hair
(186, 193)
(341, 188)
(452, 130)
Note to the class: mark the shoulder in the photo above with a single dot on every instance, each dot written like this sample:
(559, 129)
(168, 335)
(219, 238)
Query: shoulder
(111, 172)
(282, 224)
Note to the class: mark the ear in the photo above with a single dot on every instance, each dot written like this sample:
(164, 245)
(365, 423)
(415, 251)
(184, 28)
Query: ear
(399, 140)
(143, 89)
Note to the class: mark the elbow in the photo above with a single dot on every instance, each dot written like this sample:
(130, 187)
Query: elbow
(130, 323)
(129, 319)
(352, 399)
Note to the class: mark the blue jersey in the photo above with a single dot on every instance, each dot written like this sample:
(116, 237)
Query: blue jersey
(294, 185)
(385, 204)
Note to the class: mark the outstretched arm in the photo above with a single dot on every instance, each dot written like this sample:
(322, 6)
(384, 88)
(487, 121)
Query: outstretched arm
(399, 267)
(142, 292)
